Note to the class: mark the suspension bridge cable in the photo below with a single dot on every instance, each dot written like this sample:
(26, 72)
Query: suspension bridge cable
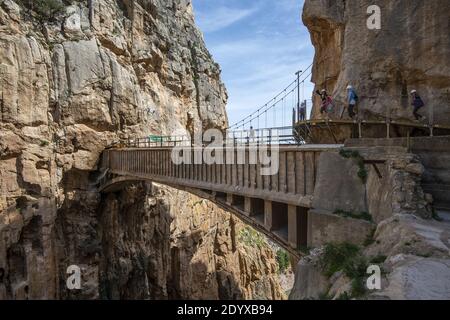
(243, 122)
(238, 124)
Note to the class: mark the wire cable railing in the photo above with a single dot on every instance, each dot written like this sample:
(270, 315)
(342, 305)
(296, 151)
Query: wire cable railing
(254, 137)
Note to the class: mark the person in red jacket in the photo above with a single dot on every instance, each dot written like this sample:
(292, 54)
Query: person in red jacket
(327, 101)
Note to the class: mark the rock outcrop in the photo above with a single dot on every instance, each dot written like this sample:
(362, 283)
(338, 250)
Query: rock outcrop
(410, 51)
(410, 241)
(387, 220)
(74, 80)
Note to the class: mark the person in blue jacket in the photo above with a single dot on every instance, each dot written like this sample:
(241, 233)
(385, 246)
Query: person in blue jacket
(352, 100)
(417, 104)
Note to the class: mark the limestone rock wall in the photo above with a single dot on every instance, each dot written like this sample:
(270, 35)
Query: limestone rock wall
(408, 236)
(71, 84)
(152, 250)
(410, 51)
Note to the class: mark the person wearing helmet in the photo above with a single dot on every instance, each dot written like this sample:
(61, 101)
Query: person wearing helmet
(417, 104)
(352, 100)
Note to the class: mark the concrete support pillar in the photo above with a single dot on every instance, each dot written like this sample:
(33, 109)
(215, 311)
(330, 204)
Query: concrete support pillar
(229, 199)
(297, 226)
(252, 176)
(292, 226)
(282, 179)
(268, 215)
(248, 206)
(310, 172)
(291, 171)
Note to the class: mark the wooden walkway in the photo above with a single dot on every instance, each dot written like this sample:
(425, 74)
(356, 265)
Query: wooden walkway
(337, 131)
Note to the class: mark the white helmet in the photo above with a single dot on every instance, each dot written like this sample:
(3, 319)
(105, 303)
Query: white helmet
(349, 87)
(413, 91)
(323, 90)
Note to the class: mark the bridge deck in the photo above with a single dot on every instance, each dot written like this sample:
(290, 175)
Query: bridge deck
(275, 204)
(292, 184)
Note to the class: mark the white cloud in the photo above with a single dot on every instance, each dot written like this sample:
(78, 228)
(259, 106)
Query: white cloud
(221, 18)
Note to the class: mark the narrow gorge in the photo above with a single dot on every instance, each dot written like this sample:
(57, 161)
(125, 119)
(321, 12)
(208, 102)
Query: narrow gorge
(86, 87)
(74, 82)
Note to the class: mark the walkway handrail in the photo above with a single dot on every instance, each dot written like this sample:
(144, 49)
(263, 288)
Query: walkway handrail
(262, 136)
(297, 135)
(388, 123)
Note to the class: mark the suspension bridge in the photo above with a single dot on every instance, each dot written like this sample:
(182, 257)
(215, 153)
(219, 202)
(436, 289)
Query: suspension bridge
(279, 204)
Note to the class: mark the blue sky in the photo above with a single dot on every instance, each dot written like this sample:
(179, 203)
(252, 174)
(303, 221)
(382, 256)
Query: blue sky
(259, 45)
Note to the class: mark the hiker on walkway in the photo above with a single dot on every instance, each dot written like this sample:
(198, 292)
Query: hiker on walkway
(303, 111)
(352, 100)
(417, 103)
(327, 101)
(251, 135)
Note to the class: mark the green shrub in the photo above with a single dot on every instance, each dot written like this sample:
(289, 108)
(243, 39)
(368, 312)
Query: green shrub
(347, 258)
(336, 256)
(304, 249)
(349, 153)
(362, 215)
(435, 215)
(45, 10)
(344, 296)
(283, 260)
(355, 267)
(363, 174)
(325, 296)
(353, 154)
(251, 237)
(358, 288)
(370, 239)
(378, 259)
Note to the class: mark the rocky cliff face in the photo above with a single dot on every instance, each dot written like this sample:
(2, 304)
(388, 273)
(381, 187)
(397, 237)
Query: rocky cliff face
(409, 241)
(404, 237)
(74, 78)
(410, 51)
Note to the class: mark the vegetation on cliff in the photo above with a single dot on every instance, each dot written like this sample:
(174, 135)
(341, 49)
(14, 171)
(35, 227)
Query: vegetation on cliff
(44, 9)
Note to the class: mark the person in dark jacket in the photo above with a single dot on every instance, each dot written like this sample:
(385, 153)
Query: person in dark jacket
(352, 99)
(417, 104)
(303, 111)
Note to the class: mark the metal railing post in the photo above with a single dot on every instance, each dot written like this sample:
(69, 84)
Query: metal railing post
(388, 128)
(408, 142)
